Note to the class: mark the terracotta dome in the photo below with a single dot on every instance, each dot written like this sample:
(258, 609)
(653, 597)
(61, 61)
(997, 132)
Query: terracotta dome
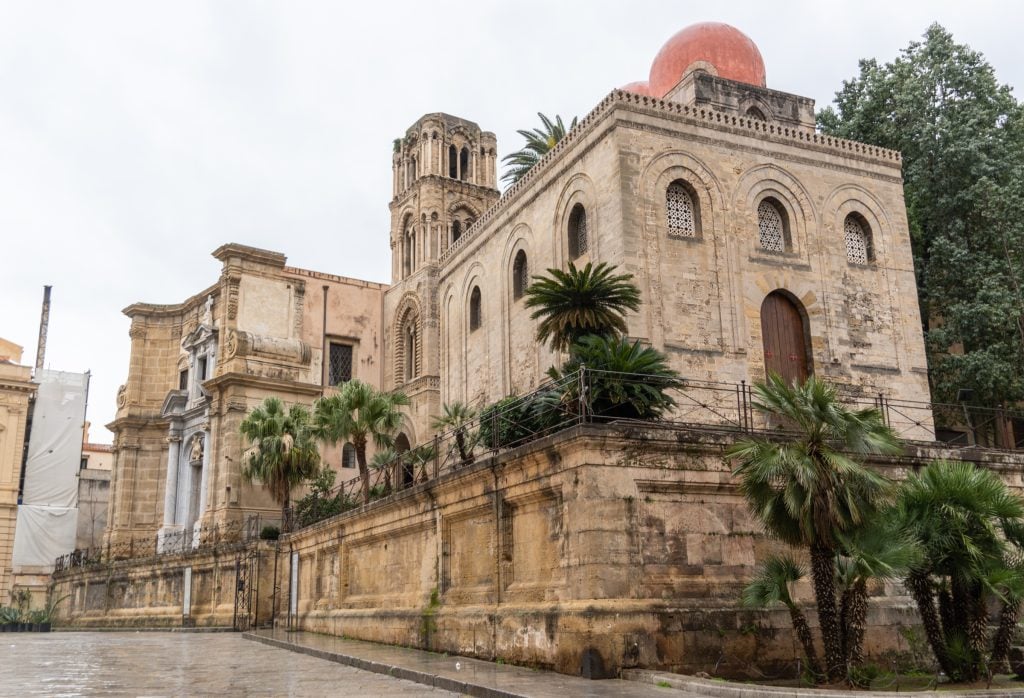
(641, 88)
(731, 52)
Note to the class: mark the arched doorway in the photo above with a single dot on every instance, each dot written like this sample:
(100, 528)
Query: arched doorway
(402, 447)
(785, 336)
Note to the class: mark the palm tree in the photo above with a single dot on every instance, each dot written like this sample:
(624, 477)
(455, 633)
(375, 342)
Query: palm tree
(457, 415)
(880, 550)
(771, 585)
(972, 529)
(809, 488)
(538, 142)
(572, 304)
(359, 414)
(624, 379)
(282, 449)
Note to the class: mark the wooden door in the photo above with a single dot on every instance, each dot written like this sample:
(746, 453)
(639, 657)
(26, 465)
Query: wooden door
(785, 338)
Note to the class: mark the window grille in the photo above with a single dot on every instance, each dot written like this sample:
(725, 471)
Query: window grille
(348, 456)
(771, 227)
(520, 276)
(856, 241)
(474, 309)
(577, 231)
(679, 206)
(339, 369)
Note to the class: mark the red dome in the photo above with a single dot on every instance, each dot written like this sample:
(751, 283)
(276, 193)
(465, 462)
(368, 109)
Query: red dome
(730, 51)
(640, 88)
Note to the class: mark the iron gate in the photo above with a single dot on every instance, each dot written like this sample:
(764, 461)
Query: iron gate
(247, 588)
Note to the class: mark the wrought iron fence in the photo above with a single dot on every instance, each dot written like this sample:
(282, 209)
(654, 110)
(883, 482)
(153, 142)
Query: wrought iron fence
(191, 540)
(592, 396)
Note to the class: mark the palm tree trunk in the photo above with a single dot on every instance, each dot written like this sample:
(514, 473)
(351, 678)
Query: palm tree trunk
(920, 588)
(285, 523)
(823, 574)
(460, 441)
(855, 604)
(977, 630)
(803, 634)
(1008, 616)
(364, 472)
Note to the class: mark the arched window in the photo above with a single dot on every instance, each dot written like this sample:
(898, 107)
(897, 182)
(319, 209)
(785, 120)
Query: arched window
(520, 276)
(773, 226)
(409, 345)
(348, 456)
(464, 164)
(681, 210)
(858, 240)
(407, 248)
(755, 113)
(577, 231)
(453, 162)
(474, 309)
(785, 337)
(456, 229)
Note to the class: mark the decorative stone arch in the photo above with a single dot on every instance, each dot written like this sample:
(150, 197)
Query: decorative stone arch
(764, 181)
(461, 215)
(852, 199)
(519, 239)
(474, 278)
(578, 189)
(703, 185)
(407, 334)
(751, 103)
(450, 340)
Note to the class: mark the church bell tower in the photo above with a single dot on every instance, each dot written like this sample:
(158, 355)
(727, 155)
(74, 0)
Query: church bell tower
(444, 173)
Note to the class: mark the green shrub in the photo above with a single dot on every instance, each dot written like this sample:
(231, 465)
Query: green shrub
(270, 532)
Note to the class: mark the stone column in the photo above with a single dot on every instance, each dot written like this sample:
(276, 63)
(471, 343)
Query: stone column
(204, 487)
(171, 493)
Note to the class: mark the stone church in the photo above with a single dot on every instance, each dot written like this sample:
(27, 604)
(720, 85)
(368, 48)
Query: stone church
(758, 245)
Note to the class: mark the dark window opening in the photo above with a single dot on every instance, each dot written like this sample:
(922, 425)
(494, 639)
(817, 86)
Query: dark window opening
(348, 456)
(474, 309)
(464, 164)
(183, 379)
(453, 162)
(456, 230)
(520, 276)
(577, 231)
(410, 352)
(755, 113)
(202, 369)
(339, 369)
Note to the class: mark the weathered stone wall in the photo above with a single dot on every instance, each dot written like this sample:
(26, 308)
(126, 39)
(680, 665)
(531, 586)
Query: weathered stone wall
(16, 388)
(150, 592)
(585, 552)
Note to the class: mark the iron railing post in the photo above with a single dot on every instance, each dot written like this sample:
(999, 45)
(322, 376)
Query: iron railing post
(437, 455)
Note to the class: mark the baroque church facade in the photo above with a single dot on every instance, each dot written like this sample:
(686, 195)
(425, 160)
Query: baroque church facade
(758, 245)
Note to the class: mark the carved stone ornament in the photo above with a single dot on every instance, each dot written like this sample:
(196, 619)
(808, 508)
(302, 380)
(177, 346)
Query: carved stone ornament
(231, 344)
(122, 396)
(195, 454)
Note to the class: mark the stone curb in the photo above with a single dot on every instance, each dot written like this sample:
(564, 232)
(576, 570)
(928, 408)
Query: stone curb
(724, 689)
(398, 672)
(128, 629)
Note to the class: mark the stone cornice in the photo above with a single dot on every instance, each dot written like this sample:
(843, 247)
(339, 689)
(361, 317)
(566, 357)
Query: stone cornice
(232, 379)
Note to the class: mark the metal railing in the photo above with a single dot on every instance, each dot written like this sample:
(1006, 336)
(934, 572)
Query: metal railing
(185, 541)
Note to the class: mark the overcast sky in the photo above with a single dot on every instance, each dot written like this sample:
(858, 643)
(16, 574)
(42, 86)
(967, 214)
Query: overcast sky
(137, 137)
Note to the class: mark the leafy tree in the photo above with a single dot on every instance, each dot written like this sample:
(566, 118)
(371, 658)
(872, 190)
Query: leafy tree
(359, 414)
(538, 142)
(572, 304)
(808, 488)
(322, 502)
(624, 380)
(456, 417)
(282, 449)
(971, 527)
(962, 138)
(771, 585)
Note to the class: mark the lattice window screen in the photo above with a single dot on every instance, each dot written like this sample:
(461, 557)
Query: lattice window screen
(679, 206)
(348, 456)
(578, 232)
(856, 241)
(520, 276)
(339, 370)
(770, 227)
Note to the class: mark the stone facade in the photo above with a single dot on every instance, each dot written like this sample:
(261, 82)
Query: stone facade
(704, 276)
(16, 389)
(263, 329)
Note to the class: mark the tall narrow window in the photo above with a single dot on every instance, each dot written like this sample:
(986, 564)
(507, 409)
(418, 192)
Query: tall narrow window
(682, 221)
(453, 162)
(201, 371)
(772, 228)
(410, 351)
(858, 240)
(183, 379)
(456, 229)
(577, 231)
(474, 309)
(464, 164)
(520, 276)
(348, 456)
(339, 367)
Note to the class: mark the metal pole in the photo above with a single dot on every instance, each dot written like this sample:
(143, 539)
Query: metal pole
(44, 324)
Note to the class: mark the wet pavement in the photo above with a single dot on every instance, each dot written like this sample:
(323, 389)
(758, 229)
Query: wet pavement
(178, 664)
(461, 674)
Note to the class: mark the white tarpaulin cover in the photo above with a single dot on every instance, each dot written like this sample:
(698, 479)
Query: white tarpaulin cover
(55, 446)
(43, 534)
